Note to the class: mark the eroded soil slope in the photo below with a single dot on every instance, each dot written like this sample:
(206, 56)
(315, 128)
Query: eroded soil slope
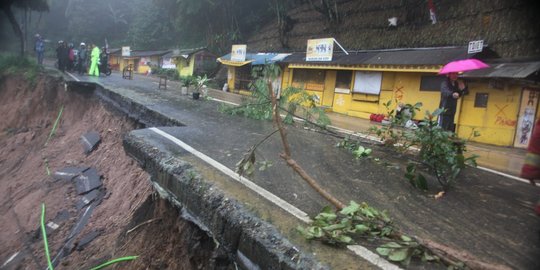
(28, 114)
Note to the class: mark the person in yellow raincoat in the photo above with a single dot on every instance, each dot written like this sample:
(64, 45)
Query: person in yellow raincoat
(94, 59)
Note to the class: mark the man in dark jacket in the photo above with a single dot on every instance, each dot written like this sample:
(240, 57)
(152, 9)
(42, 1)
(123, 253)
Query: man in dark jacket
(62, 53)
(451, 90)
(82, 58)
(59, 55)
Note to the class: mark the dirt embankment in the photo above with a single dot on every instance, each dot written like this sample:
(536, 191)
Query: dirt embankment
(28, 114)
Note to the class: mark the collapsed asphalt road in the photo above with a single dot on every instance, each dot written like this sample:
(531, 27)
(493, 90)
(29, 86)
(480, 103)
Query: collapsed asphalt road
(486, 215)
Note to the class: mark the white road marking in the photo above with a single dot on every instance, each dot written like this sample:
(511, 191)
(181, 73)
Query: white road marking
(372, 257)
(223, 101)
(11, 258)
(357, 249)
(504, 174)
(246, 182)
(72, 76)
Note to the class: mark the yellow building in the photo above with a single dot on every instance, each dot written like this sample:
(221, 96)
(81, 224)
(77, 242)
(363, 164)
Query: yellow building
(115, 58)
(142, 61)
(190, 62)
(358, 84)
(239, 72)
(502, 104)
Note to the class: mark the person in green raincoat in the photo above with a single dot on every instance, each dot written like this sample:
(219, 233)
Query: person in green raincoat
(94, 59)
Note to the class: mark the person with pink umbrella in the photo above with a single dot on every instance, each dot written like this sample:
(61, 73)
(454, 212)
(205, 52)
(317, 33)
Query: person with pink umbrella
(453, 88)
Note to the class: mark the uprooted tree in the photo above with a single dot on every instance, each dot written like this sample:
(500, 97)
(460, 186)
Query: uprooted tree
(339, 226)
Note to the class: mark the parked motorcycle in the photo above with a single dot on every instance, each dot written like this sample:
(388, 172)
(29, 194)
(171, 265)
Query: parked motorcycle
(104, 66)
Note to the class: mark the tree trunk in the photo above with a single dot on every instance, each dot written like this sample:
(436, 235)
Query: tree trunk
(25, 47)
(286, 155)
(16, 27)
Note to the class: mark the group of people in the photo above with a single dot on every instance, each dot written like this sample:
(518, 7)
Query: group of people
(83, 59)
(80, 60)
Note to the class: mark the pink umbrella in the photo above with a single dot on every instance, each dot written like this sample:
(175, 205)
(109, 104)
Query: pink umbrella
(463, 65)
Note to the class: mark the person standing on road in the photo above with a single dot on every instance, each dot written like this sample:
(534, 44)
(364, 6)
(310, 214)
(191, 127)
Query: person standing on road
(94, 59)
(82, 57)
(71, 57)
(39, 48)
(451, 90)
(61, 55)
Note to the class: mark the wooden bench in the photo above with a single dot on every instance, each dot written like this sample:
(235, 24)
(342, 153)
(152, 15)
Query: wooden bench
(127, 72)
(162, 82)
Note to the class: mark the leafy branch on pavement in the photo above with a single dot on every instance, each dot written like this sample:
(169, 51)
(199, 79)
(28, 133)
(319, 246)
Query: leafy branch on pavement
(441, 151)
(354, 146)
(291, 99)
(361, 221)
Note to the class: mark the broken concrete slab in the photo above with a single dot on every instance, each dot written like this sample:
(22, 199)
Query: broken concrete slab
(88, 198)
(89, 237)
(90, 141)
(68, 173)
(87, 181)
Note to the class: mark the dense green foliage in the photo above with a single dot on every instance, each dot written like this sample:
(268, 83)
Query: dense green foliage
(441, 153)
(14, 64)
(171, 73)
(392, 133)
(162, 24)
(293, 102)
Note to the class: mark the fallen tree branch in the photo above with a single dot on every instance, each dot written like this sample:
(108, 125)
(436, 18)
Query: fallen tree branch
(451, 256)
(286, 155)
(300, 171)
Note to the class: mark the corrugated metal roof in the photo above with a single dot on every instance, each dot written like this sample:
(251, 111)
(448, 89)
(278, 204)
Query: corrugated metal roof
(135, 54)
(515, 70)
(408, 56)
(148, 53)
(115, 51)
(260, 58)
(184, 52)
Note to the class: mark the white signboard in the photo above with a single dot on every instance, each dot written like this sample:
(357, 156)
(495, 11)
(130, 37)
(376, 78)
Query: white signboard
(367, 82)
(320, 49)
(126, 51)
(475, 46)
(168, 63)
(238, 53)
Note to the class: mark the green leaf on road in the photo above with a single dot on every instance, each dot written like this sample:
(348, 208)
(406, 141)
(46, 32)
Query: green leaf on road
(398, 255)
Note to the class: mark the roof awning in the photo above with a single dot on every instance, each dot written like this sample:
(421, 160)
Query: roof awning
(381, 68)
(234, 63)
(513, 70)
(254, 59)
(428, 57)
